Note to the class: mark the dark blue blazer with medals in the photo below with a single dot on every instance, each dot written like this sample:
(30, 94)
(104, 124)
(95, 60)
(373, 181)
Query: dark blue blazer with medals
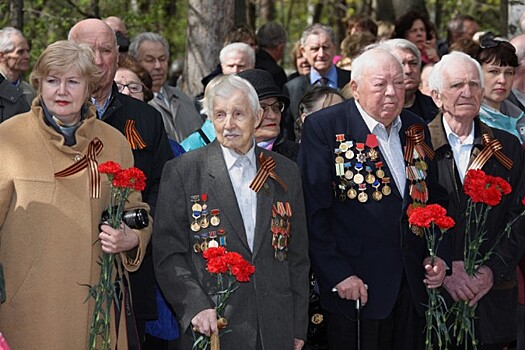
(372, 239)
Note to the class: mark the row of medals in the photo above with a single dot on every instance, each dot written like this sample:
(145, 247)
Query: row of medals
(349, 178)
(200, 213)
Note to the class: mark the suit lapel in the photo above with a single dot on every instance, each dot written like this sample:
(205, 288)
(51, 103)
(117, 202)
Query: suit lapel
(222, 190)
(265, 199)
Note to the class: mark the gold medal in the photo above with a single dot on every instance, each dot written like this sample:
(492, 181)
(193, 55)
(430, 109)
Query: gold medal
(352, 193)
(317, 318)
(377, 196)
(339, 160)
(343, 146)
(358, 178)
(196, 207)
(195, 226)
(349, 174)
(386, 190)
(380, 173)
(204, 246)
(215, 221)
(197, 248)
(349, 154)
(370, 179)
(362, 197)
(213, 244)
(372, 154)
(204, 222)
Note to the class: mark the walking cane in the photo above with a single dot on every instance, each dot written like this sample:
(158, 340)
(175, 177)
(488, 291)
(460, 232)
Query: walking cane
(358, 322)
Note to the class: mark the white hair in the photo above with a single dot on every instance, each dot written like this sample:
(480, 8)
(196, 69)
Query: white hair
(435, 79)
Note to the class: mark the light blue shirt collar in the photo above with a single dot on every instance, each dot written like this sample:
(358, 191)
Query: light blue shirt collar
(331, 75)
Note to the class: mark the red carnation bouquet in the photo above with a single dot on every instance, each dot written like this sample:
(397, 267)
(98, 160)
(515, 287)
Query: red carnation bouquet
(484, 192)
(122, 182)
(434, 222)
(231, 269)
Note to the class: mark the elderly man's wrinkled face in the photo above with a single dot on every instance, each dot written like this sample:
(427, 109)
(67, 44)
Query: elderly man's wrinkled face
(236, 62)
(410, 68)
(319, 50)
(381, 89)
(17, 60)
(461, 93)
(152, 56)
(234, 121)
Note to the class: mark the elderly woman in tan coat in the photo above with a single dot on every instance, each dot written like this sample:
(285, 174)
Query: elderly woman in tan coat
(49, 221)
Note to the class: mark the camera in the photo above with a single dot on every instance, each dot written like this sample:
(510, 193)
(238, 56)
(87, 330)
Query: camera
(135, 219)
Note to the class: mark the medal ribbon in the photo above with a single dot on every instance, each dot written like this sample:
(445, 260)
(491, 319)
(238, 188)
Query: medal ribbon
(88, 161)
(416, 141)
(133, 136)
(492, 148)
(266, 169)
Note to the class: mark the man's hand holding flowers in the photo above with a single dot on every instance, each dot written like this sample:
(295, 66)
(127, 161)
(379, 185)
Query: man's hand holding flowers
(461, 286)
(117, 240)
(434, 273)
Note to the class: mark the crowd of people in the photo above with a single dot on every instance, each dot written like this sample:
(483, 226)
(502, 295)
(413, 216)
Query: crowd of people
(308, 176)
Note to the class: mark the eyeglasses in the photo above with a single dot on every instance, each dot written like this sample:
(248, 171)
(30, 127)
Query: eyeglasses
(277, 107)
(133, 88)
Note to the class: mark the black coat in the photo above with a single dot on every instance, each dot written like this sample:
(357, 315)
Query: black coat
(150, 160)
(12, 100)
(424, 107)
(496, 311)
(264, 61)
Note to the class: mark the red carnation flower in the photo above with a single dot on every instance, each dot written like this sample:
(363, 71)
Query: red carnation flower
(523, 201)
(136, 178)
(109, 167)
(444, 222)
(486, 189)
(211, 253)
(243, 270)
(217, 265)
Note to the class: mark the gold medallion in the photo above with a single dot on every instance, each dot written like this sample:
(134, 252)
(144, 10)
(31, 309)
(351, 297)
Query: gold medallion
(386, 190)
(352, 193)
(195, 226)
(358, 178)
(215, 221)
(343, 146)
(349, 174)
(362, 197)
(196, 207)
(349, 154)
(197, 248)
(370, 179)
(317, 318)
(377, 196)
(372, 154)
(339, 160)
(380, 173)
(204, 222)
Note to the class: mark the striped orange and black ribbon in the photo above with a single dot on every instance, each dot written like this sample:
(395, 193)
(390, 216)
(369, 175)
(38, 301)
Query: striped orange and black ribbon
(492, 147)
(133, 136)
(416, 140)
(267, 166)
(88, 161)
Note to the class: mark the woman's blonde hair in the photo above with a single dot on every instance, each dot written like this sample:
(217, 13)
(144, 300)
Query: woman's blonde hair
(64, 56)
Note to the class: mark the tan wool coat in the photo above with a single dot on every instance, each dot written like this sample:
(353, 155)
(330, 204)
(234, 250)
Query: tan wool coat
(49, 231)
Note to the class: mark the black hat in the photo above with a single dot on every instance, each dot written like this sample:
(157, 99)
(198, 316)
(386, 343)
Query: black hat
(264, 84)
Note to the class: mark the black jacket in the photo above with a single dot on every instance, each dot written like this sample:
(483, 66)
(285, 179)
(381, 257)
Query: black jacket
(264, 61)
(151, 160)
(496, 311)
(12, 100)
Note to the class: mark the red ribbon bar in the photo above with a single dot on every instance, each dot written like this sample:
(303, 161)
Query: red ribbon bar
(371, 141)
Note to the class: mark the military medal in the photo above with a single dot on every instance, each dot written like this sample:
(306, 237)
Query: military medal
(379, 172)
(281, 214)
(195, 226)
(349, 174)
(358, 178)
(362, 196)
(196, 206)
(214, 220)
(361, 157)
(352, 193)
(372, 143)
(376, 195)
(204, 222)
(369, 178)
(349, 154)
(222, 237)
(342, 144)
(386, 190)
(212, 243)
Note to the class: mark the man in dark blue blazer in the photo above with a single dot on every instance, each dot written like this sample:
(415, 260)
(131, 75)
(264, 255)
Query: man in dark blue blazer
(356, 195)
(319, 47)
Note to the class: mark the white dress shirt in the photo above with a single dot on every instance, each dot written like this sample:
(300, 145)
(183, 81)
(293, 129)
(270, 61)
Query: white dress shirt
(242, 169)
(461, 150)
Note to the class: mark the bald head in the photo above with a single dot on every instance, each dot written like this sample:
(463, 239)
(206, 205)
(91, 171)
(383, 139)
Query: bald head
(117, 25)
(101, 38)
(519, 78)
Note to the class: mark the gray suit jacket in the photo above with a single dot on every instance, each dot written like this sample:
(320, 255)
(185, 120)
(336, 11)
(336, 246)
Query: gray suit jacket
(275, 301)
(180, 118)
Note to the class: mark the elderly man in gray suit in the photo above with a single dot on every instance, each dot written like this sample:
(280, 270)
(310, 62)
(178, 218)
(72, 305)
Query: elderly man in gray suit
(237, 195)
(178, 111)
